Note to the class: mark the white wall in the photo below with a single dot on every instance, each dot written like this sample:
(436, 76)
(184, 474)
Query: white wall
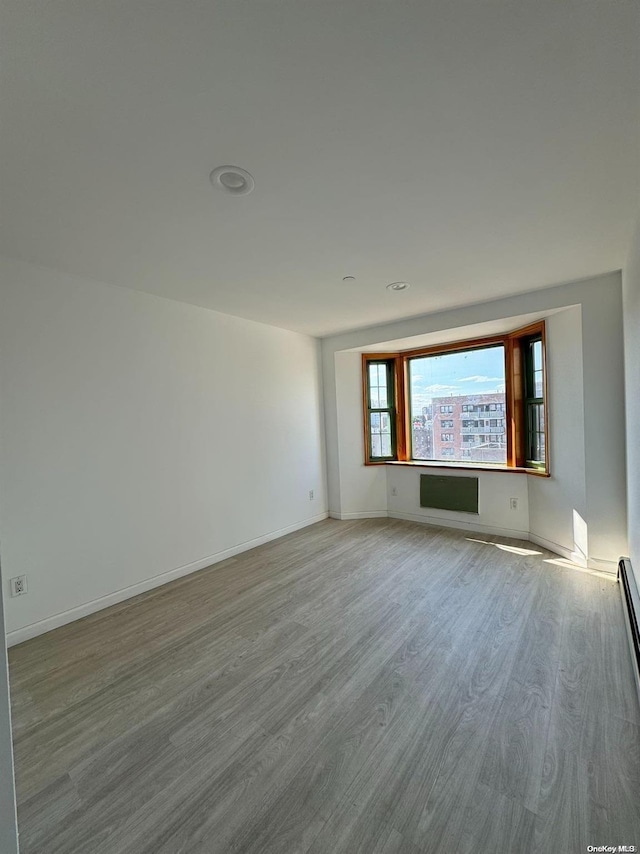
(8, 820)
(363, 489)
(554, 502)
(631, 296)
(586, 414)
(604, 425)
(495, 491)
(142, 437)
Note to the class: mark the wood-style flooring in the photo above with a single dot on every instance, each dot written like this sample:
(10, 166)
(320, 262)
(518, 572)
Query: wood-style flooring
(366, 687)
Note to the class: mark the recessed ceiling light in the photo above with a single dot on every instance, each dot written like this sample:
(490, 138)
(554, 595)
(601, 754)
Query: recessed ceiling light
(349, 279)
(398, 286)
(232, 179)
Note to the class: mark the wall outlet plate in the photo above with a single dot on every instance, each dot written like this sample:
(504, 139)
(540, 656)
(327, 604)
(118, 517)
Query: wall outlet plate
(513, 503)
(311, 495)
(18, 585)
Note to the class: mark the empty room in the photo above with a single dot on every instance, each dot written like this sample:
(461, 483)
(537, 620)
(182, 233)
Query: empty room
(320, 427)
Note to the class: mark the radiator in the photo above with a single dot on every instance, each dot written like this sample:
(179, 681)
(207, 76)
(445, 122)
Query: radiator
(631, 603)
(445, 492)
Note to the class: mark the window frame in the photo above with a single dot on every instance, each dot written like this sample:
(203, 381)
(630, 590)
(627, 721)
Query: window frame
(530, 399)
(396, 395)
(514, 411)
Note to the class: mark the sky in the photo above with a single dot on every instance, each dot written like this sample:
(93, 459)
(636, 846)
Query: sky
(474, 372)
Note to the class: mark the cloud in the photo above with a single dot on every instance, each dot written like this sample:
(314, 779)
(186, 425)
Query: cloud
(437, 388)
(478, 378)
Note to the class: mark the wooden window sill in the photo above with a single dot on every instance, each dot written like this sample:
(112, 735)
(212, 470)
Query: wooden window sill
(466, 467)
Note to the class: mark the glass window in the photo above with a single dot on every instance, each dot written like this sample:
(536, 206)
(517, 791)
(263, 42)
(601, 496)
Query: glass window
(381, 423)
(454, 402)
(535, 449)
(474, 379)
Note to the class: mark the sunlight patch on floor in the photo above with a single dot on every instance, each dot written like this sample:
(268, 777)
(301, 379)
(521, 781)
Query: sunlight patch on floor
(516, 550)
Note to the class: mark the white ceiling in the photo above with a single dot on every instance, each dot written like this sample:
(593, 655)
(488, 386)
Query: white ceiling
(475, 148)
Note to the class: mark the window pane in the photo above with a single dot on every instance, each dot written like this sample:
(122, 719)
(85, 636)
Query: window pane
(536, 443)
(537, 355)
(380, 426)
(373, 386)
(537, 384)
(378, 390)
(444, 387)
(382, 376)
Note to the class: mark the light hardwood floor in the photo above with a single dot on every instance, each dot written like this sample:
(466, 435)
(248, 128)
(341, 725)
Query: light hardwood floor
(374, 686)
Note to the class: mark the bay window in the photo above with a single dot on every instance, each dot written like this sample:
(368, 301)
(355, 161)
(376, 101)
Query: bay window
(479, 403)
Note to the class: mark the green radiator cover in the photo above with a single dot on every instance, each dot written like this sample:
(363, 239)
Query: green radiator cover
(449, 493)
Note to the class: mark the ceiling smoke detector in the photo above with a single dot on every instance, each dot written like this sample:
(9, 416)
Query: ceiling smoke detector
(398, 286)
(349, 279)
(232, 179)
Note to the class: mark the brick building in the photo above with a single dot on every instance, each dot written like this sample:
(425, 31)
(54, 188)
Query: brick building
(470, 428)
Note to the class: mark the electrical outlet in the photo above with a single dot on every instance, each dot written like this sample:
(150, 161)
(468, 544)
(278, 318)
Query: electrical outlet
(311, 495)
(18, 585)
(513, 503)
(394, 490)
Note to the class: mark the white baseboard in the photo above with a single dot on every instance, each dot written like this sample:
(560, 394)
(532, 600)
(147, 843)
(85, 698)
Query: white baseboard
(610, 567)
(32, 630)
(607, 567)
(364, 514)
(472, 527)
(567, 554)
